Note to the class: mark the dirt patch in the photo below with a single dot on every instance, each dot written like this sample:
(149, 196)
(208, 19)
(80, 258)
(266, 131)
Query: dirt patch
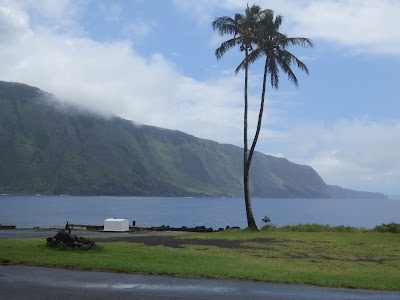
(298, 255)
(173, 242)
(370, 260)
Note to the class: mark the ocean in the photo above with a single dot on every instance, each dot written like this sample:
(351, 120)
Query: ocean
(44, 211)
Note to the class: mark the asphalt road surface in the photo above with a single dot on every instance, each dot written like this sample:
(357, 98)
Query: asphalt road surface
(26, 282)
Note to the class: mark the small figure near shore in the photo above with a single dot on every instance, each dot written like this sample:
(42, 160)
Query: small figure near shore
(67, 227)
(266, 219)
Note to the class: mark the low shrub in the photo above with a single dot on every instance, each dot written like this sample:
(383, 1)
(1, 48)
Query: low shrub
(391, 227)
(312, 228)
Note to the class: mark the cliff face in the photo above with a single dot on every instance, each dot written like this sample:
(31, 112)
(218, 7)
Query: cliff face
(49, 149)
(341, 193)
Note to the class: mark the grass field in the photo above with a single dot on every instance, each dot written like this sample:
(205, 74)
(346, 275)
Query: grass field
(356, 259)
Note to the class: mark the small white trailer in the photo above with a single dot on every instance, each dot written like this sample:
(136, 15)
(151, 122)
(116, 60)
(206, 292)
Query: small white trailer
(116, 225)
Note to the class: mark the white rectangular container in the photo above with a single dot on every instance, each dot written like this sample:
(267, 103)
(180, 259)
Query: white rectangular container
(116, 225)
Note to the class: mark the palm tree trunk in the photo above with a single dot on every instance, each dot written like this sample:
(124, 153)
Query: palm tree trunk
(260, 115)
(246, 166)
(250, 219)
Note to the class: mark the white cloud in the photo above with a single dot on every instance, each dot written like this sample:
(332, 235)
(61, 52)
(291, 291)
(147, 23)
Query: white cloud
(50, 9)
(358, 153)
(138, 28)
(13, 24)
(58, 15)
(111, 11)
(362, 25)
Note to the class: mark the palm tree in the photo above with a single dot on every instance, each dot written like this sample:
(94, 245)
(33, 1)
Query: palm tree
(243, 28)
(273, 44)
(259, 27)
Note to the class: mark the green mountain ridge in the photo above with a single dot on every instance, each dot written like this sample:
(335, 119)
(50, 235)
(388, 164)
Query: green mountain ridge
(50, 148)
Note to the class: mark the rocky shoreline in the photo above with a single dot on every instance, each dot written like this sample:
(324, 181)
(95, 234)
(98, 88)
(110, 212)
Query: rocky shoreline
(100, 228)
(183, 228)
(66, 241)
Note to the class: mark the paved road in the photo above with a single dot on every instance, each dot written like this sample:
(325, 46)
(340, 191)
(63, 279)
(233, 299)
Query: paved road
(25, 282)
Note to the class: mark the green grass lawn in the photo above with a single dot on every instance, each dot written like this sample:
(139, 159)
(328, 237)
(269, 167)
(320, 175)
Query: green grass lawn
(340, 259)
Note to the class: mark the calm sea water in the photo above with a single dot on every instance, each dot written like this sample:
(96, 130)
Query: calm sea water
(31, 211)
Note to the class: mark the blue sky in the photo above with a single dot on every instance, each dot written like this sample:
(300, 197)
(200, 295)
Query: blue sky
(153, 62)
